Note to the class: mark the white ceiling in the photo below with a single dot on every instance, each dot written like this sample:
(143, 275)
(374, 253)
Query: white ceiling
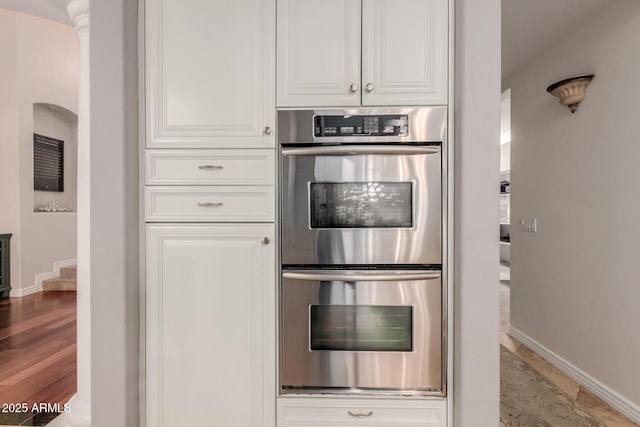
(528, 26)
(54, 10)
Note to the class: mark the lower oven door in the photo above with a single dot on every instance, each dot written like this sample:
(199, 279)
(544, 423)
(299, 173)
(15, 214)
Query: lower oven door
(361, 332)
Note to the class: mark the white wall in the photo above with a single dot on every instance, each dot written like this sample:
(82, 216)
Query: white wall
(505, 156)
(575, 283)
(45, 70)
(9, 193)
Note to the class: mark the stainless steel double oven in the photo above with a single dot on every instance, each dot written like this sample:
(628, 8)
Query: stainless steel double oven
(361, 208)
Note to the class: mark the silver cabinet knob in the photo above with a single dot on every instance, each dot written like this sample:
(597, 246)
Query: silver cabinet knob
(267, 130)
(266, 241)
(210, 205)
(210, 167)
(353, 87)
(369, 87)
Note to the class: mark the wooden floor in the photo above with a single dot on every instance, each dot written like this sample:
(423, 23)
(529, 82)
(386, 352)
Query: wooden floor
(37, 355)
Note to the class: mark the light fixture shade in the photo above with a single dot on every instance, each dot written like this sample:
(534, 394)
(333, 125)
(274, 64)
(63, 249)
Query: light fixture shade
(571, 91)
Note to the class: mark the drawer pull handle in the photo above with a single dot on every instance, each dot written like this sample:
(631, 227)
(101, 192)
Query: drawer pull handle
(367, 415)
(210, 205)
(210, 167)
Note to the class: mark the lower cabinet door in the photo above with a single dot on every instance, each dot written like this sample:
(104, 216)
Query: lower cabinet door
(210, 325)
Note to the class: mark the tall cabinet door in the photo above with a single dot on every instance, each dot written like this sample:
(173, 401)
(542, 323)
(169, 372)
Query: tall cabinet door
(404, 52)
(318, 53)
(210, 325)
(210, 68)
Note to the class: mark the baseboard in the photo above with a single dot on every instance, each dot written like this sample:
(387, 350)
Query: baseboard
(611, 397)
(23, 292)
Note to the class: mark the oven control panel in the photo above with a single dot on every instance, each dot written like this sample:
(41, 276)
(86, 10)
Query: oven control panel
(369, 125)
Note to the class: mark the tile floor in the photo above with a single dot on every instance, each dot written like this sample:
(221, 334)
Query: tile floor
(593, 405)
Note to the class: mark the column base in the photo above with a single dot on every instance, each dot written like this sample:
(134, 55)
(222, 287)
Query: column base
(79, 416)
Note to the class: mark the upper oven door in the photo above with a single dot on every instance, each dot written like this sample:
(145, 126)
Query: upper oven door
(361, 205)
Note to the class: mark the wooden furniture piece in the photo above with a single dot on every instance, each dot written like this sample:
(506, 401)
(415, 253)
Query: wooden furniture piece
(5, 278)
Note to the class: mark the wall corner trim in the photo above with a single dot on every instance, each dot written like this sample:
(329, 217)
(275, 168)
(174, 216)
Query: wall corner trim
(610, 396)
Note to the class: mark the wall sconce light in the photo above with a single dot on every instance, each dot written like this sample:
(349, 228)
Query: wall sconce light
(571, 91)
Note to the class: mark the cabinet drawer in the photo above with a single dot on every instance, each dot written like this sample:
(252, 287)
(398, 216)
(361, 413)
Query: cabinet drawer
(210, 167)
(210, 204)
(312, 412)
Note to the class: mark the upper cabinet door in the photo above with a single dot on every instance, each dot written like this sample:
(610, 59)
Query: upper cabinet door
(404, 52)
(210, 71)
(318, 53)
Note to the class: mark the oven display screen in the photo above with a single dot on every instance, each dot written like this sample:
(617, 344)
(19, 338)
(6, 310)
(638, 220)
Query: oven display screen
(369, 125)
(361, 327)
(361, 205)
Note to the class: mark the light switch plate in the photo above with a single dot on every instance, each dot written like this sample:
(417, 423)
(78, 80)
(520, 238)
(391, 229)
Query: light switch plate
(530, 225)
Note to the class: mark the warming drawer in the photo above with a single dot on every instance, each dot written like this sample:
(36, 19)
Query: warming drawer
(327, 412)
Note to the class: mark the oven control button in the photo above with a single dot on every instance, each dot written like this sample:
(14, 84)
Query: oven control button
(346, 130)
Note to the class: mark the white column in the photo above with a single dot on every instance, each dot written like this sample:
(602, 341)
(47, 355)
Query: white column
(80, 414)
(476, 370)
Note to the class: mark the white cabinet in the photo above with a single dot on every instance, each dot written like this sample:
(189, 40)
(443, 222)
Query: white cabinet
(210, 185)
(209, 73)
(210, 334)
(404, 52)
(210, 293)
(318, 52)
(364, 412)
(210, 204)
(357, 52)
(210, 167)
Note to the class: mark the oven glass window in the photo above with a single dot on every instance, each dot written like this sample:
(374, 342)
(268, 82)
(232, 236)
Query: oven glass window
(361, 327)
(361, 204)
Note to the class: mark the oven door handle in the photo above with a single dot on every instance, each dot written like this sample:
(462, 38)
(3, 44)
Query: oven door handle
(330, 277)
(359, 149)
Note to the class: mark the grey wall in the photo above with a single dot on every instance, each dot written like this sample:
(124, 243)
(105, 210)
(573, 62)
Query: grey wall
(115, 282)
(575, 286)
(477, 154)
